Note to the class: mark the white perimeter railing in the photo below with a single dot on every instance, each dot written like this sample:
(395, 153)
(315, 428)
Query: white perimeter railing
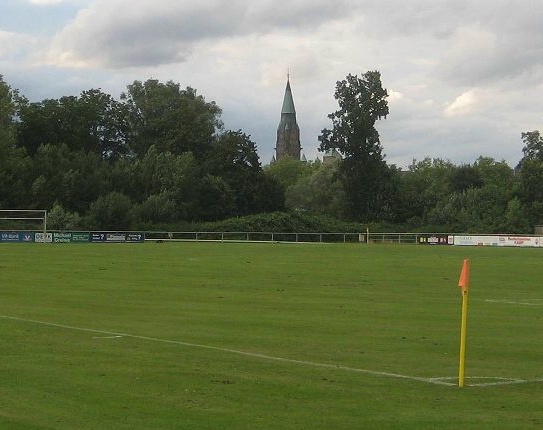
(285, 237)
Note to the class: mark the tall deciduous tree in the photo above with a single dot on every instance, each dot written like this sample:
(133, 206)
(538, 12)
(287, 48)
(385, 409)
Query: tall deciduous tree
(320, 192)
(530, 171)
(93, 122)
(7, 113)
(533, 145)
(287, 171)
(233, 158)
(14, 163)
(171, 119)
(365, 175)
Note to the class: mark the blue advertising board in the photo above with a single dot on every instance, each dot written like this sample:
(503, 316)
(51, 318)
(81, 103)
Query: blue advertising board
(111, 237)
(97, 237)
(71, 237)
(135, 237)
(17, 236)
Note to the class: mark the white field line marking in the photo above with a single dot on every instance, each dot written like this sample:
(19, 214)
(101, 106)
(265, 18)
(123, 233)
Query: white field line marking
(110, 334)
(495, 380)
(528, 302)
(107, 337)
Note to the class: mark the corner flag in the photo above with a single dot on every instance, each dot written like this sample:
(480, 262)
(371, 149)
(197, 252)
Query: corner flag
(464, 284)
(464, 276)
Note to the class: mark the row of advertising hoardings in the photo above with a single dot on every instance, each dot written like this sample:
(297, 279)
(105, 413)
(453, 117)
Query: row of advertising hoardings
(482, 240)
(139, 237)
(71, 237)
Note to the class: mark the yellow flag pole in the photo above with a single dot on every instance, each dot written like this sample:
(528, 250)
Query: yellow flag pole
(464, 284)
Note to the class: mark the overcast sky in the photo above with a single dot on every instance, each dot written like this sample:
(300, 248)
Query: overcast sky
(465, 77)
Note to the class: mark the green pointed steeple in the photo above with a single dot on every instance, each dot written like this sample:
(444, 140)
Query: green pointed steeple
(288, 132)
(288, 101)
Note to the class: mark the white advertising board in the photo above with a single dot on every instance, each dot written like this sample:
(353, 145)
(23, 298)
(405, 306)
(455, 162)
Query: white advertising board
(39, 237)
(476, 240)
(521, 241)
(518, 241)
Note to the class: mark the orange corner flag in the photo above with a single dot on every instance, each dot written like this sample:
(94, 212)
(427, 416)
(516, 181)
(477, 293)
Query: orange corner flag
(464, 276)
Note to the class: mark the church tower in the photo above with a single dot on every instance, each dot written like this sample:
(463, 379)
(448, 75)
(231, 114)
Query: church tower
(288, 132)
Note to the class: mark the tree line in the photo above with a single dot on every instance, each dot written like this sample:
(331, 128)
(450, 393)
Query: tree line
(160, 157)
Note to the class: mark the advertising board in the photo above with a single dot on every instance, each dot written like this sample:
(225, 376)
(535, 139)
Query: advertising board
(61, 237)
(115, 237)
(80, 237)
(515, 241)
(435, 239)
(39, 237)
(110, 237)
(135, 237)
(476, 240)
(17, 236)
(520, 241)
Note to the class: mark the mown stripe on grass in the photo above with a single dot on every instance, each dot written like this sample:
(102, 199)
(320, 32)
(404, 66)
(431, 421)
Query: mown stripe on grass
(435, 380)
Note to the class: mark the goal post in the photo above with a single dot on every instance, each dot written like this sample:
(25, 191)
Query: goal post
(37, 218)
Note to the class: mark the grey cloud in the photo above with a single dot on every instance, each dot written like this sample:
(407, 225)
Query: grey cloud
(125, 33)
(506, 54)
(515, 26)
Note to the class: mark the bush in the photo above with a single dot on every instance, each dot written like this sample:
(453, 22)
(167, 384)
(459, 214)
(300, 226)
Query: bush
(281, 222)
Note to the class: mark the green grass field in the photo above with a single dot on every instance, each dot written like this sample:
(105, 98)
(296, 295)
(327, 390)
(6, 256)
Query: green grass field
(267, 336)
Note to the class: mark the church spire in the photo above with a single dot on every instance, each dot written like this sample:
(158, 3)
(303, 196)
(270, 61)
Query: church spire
(288, 101)
(288, 132)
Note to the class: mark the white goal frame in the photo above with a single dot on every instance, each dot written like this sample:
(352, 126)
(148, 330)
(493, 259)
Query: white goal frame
(26, 215)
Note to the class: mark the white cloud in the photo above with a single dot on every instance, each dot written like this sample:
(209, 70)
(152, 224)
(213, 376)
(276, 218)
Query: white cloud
(15, 45)
(117, 34)
(394, 96)
(464, 104)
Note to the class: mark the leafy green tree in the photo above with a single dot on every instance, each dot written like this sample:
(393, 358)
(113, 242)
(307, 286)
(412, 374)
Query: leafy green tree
(71, 178)
(530, 189)
(269, 195)
(495, 173)
(364, 173)
(112, 211)
(39, 126)
(465, 177)
(216, 199)
(177, 176)
(157, 209)
(165, 171)
(14, 163)
(426, 183)
(533, 145)
(93, 122)
(500, 180)
(320, 193)
(107, 123)
(60, 219)
(465, 198)
(169, 118)
(8, 109)
(287, 171)
(233, 158)
(530, 176)
(516, 218)
(125, 176)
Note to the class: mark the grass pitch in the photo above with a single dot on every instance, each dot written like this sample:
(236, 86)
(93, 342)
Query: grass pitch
(267, 336)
